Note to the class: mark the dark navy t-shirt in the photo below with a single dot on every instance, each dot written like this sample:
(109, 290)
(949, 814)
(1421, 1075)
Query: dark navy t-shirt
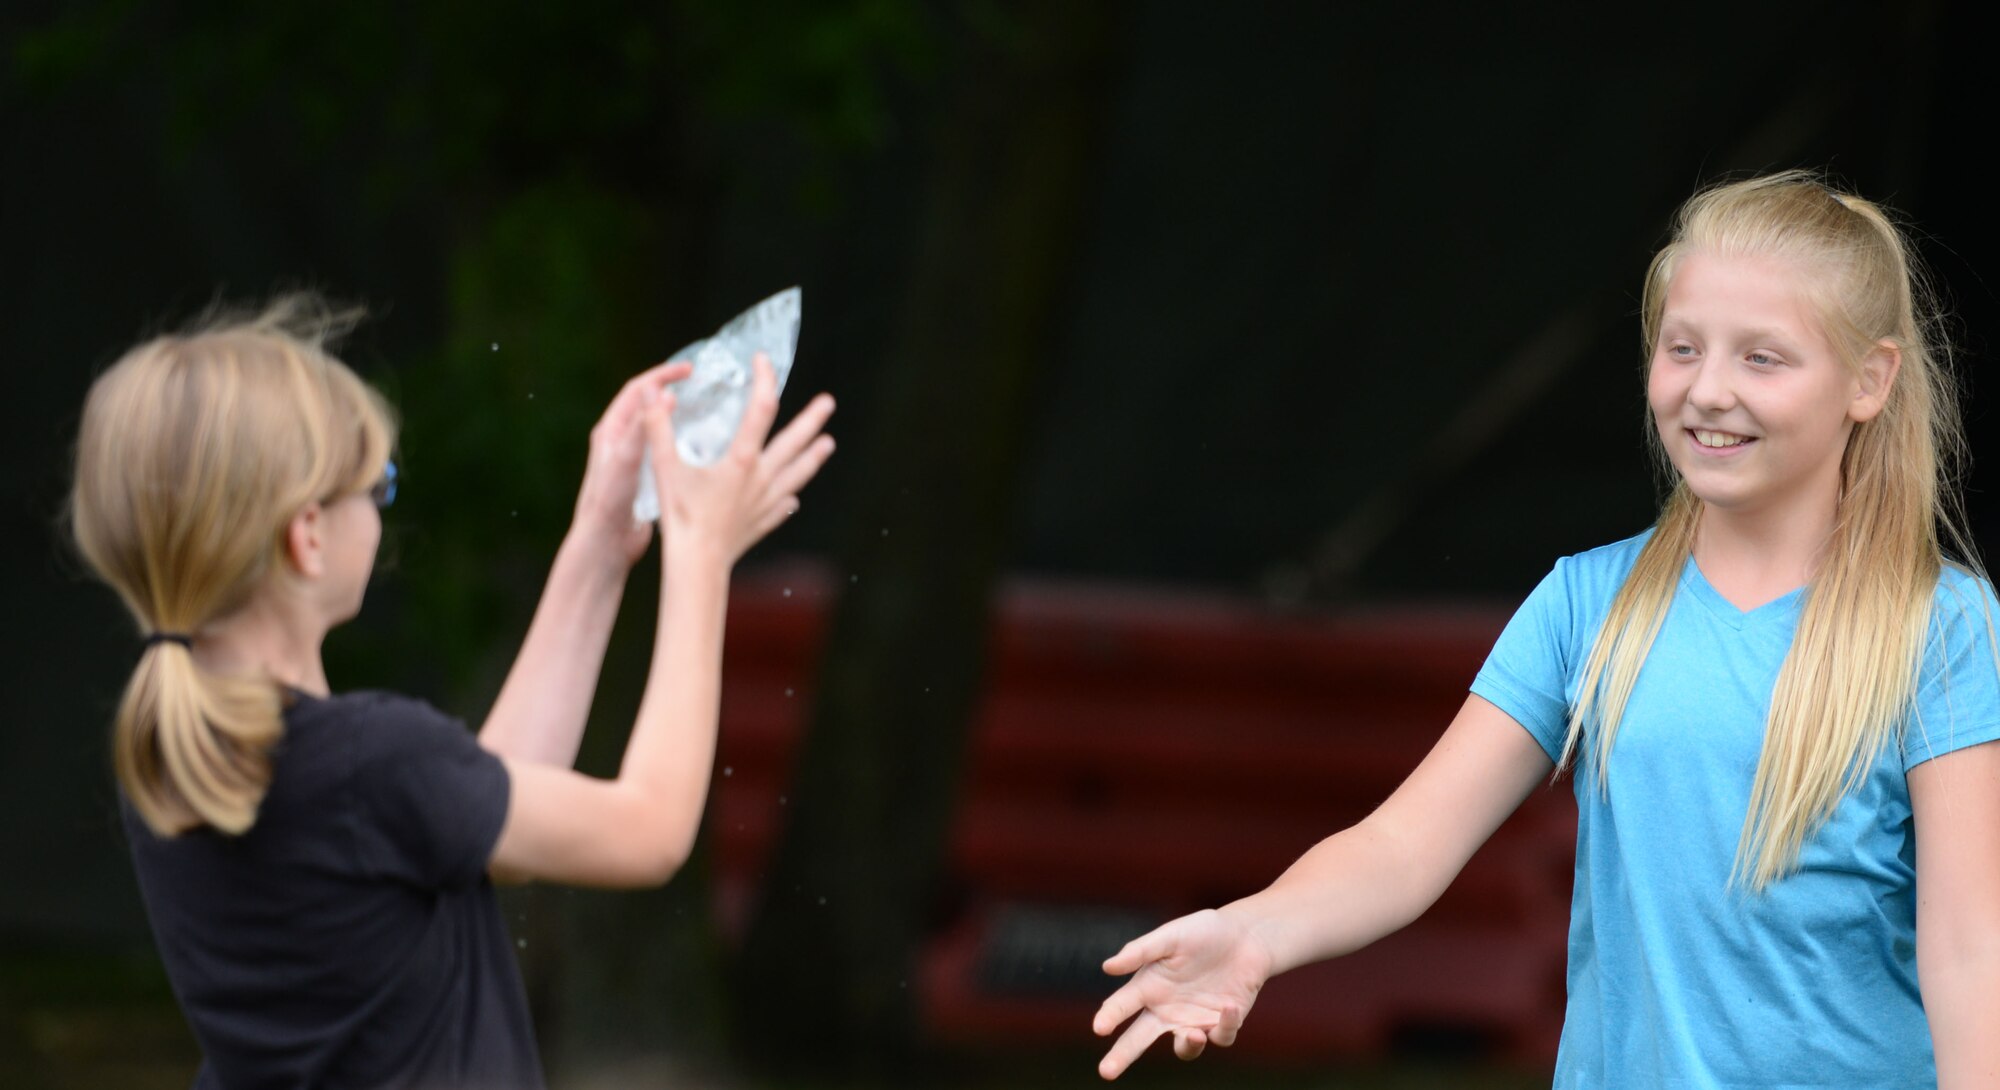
(351, 937)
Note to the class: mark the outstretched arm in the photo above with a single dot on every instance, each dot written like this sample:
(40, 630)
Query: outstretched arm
(541, 710)
(1955, 805)
(1196, 977)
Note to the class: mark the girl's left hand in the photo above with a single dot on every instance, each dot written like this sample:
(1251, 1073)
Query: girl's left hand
(604, 521)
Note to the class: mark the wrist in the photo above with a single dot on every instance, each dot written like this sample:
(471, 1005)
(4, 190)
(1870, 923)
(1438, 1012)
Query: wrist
(692, 551)
(1264, 935)
(592, 557)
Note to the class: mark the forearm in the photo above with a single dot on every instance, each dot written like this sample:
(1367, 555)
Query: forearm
(545, 701)
(1958, 1000)
(1349, 890)
(672, 747)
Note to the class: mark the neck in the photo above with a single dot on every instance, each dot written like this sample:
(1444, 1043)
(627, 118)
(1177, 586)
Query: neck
(265, 639)
(1763, 554)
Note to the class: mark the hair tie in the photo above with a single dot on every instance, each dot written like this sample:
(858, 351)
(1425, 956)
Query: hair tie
(181, 638)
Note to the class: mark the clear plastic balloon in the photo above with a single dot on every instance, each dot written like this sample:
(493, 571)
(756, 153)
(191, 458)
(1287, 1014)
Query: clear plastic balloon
(709, 403)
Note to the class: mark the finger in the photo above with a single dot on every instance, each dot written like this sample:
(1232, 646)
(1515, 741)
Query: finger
(640, 390)
(792, 477)
(660, 433)
(762, 410)
(628, 437)
(1130, 1046)
(1149, 947)
(777, 515)
(793, 437)
(1224, 1033)
(1116, 1008)
(1188, 1043)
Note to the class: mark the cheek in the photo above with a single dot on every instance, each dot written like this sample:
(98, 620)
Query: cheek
(1661, 393)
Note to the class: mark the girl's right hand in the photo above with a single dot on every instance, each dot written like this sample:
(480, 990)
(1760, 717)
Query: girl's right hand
(1194, 977)
(727, 507)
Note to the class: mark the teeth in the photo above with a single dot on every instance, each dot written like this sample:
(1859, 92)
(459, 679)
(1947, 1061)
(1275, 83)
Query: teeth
(1718, 438)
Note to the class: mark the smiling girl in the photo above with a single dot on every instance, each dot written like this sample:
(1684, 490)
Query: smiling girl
(1778, 704)
(316, 864)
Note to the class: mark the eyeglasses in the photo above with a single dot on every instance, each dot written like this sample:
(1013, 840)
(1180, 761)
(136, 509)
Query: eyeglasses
(383, 492)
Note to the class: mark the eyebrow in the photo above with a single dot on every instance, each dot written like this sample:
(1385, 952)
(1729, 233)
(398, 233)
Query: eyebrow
(1755, 333)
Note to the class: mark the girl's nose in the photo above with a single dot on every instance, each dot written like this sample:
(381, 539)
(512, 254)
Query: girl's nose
(1711, 390)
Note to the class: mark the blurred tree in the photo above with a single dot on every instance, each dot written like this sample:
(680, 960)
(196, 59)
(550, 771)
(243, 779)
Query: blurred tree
(826, 977)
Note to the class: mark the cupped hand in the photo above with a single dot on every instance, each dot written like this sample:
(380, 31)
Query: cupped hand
(611, 474)
(730, 505)
(1194, 978)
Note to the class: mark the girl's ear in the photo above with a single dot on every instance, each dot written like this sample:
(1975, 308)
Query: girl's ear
(1876, 377)
(305, 541)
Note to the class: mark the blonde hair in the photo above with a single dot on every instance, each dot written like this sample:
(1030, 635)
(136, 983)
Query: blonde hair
(1847, 683)
(194, 453)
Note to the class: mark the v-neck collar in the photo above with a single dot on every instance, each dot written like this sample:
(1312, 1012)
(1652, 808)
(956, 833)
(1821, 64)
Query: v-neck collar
(1698, 586)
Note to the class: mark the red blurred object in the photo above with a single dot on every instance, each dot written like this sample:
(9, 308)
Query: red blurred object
(1139, 755)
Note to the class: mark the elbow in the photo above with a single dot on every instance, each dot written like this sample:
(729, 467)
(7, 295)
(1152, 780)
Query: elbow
(658, 865)
(647, 839)
(659, 845)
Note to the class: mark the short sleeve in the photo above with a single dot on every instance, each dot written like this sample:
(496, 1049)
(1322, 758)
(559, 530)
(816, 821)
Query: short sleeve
(1958, 684)
(430, 801)
(1527, 673)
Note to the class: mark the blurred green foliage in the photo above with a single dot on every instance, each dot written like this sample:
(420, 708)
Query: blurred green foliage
(569, 158)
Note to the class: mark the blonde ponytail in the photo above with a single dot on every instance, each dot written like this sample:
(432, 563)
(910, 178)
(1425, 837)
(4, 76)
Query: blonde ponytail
(194, 453)
(192, 748)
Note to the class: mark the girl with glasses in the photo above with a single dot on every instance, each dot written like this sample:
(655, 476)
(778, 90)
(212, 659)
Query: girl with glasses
(318, 865)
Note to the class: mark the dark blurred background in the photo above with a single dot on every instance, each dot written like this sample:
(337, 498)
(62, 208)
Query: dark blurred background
(1257, 331)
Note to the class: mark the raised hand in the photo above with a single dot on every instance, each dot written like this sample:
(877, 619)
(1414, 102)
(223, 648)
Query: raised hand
(1194, 978)
(611, 475)
(754, 486)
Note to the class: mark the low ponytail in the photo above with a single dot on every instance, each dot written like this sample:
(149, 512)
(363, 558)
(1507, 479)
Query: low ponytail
(194, 454)
(192, 748)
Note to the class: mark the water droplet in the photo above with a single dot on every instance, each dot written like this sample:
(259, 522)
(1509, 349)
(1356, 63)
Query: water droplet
(728, 770)
(902, 984)
(531, 395)
(822, 899)
(854, 579)
(788, 592)
(496, 346)
(788, 690)
(522, 943)
(885, 531)
(781, 800)
(513, 514)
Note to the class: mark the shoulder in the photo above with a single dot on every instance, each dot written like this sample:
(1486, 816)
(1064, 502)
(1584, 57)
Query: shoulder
(1957, 697)
(1592, 577)
(1962, 594)
(1965, 614)
(1611, 561)
(378, 725)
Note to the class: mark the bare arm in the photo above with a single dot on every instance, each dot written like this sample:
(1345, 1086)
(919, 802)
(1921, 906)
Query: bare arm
(637, 829)
(542, 708)
(1197, 976)
(1375, 878)
(1955, 802)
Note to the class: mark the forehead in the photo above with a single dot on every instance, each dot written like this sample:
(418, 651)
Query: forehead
(1721, 293)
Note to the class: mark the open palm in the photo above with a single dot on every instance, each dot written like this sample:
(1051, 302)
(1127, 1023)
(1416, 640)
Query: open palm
(1194, 978)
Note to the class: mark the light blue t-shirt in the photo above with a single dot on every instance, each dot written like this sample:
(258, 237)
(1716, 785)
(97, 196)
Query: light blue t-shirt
(1676, 979)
